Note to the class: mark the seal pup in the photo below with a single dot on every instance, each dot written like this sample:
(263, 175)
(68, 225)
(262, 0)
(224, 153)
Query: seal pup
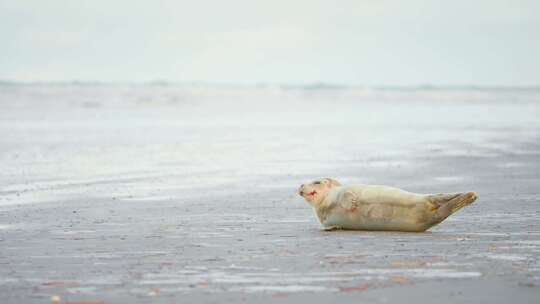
(373, 207)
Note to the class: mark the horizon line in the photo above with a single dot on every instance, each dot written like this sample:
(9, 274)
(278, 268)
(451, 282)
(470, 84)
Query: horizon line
(307, 85)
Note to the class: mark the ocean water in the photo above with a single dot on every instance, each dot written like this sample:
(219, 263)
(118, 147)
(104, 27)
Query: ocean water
(59, 142)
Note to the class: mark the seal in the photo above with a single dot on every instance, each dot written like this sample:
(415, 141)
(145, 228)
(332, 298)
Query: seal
(374, 207)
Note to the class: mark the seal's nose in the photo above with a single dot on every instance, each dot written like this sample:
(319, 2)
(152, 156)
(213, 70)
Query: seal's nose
(300, 191)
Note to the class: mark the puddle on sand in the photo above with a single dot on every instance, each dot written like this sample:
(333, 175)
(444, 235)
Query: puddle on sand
(147, 198)
(505, 257)
(275, 281)
(82, 290)
(449, 179)
(287, 288)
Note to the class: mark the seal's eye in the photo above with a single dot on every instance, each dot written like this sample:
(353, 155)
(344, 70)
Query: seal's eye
(316, 182)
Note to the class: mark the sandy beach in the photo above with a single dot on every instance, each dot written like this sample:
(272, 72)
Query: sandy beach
(169, 193)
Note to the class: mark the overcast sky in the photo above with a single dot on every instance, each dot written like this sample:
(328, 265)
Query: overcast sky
(485, 42)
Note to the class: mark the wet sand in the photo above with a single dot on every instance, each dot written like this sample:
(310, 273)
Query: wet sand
(171, 201)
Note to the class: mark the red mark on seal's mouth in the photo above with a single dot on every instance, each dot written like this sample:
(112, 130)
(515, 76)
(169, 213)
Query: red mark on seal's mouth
(312, 193)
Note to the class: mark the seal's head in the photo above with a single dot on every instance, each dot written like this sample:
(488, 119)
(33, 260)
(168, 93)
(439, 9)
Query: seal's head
(316, 191)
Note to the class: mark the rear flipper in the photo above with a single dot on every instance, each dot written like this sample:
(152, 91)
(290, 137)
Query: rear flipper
(447, 204)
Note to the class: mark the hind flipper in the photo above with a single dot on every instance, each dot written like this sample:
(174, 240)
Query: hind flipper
(442, 198)
(447, 204)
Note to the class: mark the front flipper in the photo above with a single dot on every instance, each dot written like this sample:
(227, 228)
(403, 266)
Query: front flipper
(349, 201)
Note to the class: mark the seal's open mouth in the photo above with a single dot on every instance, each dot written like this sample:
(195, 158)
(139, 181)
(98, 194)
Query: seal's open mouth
(312, 193)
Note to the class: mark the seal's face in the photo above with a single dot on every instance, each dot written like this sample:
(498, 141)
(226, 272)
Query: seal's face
(316, 191)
